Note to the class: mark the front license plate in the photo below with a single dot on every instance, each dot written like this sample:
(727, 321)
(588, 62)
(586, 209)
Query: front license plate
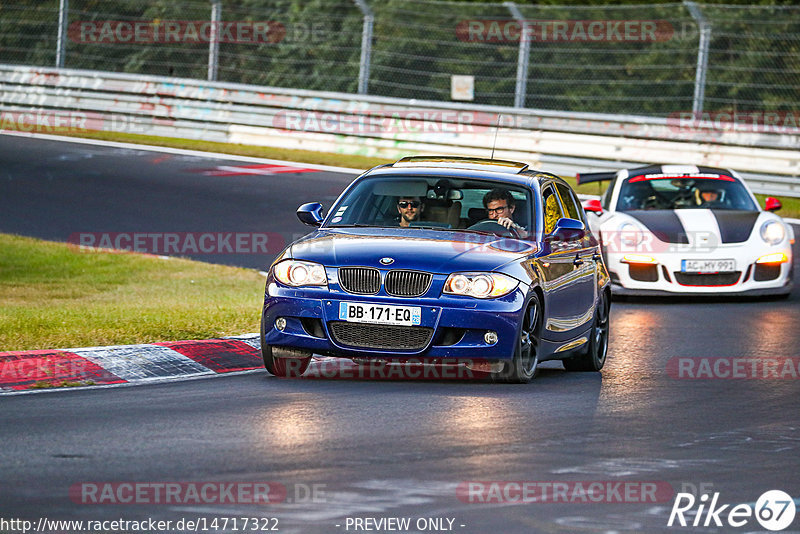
(357, 312)
(708, 266)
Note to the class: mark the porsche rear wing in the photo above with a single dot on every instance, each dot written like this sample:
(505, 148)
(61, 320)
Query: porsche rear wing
(586, 177)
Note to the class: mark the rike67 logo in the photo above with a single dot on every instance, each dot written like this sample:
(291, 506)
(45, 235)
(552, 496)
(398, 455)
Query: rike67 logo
(774, 510)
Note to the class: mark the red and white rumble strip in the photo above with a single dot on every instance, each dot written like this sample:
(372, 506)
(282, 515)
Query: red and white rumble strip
(122, 364)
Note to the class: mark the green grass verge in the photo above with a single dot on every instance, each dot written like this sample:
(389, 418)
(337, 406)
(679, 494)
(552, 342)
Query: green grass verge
(53, 295)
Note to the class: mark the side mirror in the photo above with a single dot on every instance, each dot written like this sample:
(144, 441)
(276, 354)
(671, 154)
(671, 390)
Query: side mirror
(772, 204)
(567, 230)
(310, 214)
(593, 206)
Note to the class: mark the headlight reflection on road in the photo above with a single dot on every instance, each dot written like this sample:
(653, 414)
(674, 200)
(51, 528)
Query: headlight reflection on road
(635, 358)
(474, 421)
(292, 424)
(773, 333)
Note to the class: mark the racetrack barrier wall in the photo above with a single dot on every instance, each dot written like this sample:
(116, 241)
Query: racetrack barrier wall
(50, 100)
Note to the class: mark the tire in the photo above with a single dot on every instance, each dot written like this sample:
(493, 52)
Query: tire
(525, 364)
(282, 367)
(595, 356)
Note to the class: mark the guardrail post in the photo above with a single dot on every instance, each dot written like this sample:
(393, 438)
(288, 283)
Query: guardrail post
(213, 43)
(702, 57)
(366, 47)
(521, 89)
(63, 21)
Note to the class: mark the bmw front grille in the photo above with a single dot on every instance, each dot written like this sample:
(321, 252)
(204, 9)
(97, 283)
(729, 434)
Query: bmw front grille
(398, 283)
(360, 280)
(407, 283)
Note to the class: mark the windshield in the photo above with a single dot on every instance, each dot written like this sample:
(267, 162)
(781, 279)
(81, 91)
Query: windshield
(659, 192)
(425, 202)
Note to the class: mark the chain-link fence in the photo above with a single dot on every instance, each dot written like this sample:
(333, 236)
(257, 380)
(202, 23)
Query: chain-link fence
(632, 59)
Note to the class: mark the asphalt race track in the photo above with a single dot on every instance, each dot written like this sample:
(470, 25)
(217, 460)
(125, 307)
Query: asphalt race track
(376, 449)
(55, 190)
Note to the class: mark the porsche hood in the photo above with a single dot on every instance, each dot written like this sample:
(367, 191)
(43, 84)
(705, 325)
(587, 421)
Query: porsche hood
(678, 226)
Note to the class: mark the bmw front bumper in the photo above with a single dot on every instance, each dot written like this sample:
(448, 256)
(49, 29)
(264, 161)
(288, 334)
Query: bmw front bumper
(455, 327)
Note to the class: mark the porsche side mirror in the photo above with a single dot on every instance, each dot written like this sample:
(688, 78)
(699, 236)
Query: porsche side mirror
(772, 204)
(567, 230)
(593, 206)
(310, 214)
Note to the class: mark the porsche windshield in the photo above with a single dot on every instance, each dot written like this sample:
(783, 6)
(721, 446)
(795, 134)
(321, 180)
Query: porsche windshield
(426, 202)
(659, 192)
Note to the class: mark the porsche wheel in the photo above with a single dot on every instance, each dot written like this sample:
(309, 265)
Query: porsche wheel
(525, 364)
(595, 356)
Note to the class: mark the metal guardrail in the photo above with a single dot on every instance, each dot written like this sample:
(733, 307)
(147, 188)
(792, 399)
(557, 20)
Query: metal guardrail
(377, 126)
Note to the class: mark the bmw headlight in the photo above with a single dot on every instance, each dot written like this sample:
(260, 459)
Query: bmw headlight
(480, 285)
(298, 273)
(772, 232)
(630, 235)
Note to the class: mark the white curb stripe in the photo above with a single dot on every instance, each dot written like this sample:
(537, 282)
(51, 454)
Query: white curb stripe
(143, 362)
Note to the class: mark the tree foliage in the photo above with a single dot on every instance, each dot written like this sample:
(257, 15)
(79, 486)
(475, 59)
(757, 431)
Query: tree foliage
(753, 61)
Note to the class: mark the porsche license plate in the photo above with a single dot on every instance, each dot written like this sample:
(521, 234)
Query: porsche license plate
(708, 266)
(358, 312)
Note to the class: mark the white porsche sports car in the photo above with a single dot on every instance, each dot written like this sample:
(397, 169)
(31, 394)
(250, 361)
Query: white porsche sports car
(683, 229)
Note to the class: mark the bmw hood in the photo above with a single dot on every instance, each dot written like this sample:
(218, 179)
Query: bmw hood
(687, 226)
(425, 250)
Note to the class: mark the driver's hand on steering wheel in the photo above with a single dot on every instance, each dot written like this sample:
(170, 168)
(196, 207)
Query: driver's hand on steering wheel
(511, 225)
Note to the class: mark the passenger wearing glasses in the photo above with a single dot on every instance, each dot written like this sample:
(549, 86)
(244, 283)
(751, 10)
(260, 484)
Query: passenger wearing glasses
(410, 209)
(499, 204)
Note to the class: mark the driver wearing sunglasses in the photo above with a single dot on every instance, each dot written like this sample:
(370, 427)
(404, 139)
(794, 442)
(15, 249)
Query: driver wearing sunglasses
(410, 209)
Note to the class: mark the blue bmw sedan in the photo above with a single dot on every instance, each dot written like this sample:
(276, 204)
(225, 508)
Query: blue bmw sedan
(443, 261)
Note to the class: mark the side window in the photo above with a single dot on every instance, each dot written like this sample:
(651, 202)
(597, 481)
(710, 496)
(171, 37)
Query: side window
(574, 211)
(552, 210)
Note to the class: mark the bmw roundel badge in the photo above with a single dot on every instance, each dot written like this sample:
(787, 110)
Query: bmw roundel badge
(387, 261)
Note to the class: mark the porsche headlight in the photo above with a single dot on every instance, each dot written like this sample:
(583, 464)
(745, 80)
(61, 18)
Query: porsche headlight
(772, 232)
(298, 273)
(480, 285)
(630, 235)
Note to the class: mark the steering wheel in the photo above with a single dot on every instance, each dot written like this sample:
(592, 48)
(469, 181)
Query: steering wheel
(494, 227)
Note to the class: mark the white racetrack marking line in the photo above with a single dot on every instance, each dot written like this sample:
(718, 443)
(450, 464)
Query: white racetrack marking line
(140, 382)
(181, 151)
